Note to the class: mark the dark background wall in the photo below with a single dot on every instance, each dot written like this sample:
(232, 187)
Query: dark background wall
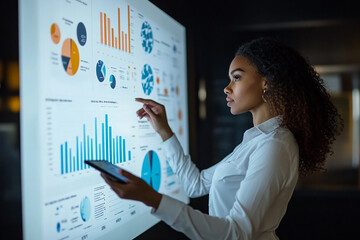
(325, 32)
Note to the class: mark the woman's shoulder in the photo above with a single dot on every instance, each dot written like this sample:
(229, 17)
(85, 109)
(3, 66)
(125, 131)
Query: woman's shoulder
(284, 135)
(282, 138)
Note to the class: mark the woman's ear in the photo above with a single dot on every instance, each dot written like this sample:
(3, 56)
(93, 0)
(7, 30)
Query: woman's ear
(264, 82)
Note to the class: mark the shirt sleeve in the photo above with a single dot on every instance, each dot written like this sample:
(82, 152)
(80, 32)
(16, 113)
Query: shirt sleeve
(196, 183)
(267, 175)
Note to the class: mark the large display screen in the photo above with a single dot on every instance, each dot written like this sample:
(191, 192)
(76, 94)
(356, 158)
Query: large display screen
(83, 63)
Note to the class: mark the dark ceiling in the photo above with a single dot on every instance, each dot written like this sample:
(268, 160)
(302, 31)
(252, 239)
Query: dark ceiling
(327, 32)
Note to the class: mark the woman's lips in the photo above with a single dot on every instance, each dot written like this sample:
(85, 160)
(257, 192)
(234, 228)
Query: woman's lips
(229, 101)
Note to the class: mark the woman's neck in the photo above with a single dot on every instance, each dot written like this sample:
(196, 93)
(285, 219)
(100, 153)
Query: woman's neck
(261, 114)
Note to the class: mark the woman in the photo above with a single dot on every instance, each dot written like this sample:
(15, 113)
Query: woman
(294, 125)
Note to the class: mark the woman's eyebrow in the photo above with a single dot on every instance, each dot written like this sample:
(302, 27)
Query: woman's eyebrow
(237, 69)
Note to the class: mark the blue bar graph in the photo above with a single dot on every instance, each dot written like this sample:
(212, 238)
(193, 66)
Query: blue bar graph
(108, 147)
(96, 144)
(124, 150)
(62, 159)
(120, 152)
(66, 158)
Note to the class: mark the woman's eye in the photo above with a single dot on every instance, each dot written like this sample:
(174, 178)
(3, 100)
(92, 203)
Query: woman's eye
(237, 77)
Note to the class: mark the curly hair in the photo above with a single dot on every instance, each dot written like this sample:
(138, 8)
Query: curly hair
(295, 91)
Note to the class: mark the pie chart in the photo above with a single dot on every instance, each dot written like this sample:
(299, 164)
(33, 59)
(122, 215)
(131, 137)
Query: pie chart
(100, 71)
(112, 81)
(147, 37)
(81, 33)
(147, 79)
(151, 171)
(85, 209)
(70, 56)
(55, 33)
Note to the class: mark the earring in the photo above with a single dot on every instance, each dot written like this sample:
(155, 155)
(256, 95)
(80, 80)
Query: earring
(262, 96)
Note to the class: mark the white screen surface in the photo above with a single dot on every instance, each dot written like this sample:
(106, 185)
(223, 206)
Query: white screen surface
(82, 64)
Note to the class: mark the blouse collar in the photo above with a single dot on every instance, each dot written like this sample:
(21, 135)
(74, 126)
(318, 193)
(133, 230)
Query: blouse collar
(263, 128)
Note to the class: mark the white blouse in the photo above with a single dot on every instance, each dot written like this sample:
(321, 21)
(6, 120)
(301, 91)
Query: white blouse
(249, 190)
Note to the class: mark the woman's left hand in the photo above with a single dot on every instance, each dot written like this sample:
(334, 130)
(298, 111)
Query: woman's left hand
(135, 189)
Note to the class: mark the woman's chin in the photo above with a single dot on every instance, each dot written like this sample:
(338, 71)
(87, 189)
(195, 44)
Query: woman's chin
(233, 111)
(236, 111)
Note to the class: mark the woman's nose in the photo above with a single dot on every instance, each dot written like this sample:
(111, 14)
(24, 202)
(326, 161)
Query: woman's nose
(227, 89)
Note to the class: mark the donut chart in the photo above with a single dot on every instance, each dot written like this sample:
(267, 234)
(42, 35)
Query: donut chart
(151, 170)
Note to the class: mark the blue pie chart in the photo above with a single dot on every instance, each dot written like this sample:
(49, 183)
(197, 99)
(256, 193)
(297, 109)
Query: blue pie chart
(147, 79)
(85, 209)
(81, 33)
(112, 81)
(151, 170)
(147, 37)
(100, 71)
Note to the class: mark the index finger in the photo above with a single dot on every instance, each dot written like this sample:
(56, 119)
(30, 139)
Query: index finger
(150, 102)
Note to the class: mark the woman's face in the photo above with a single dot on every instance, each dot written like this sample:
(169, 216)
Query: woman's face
(246, 86)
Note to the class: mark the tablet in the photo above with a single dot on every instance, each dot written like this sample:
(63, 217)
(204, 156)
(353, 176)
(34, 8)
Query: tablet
(111, 170)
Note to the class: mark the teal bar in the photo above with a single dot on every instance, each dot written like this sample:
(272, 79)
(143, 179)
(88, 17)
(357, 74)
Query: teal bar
(92, 155)
(114, 151)
(120, 150)
(129, 155)
(66, 159)
(88, 150)
(117, 150)
(124, 150)
(77, 152)
(103, 142)
(99, 151)
(110, 143)
(62, 159)
(81, 157)
(70, 160)
(74, 163)
(96, 151)
(107, 137)
(84, 141)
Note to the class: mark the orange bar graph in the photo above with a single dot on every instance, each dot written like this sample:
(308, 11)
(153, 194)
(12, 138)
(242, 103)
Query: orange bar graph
(119, 26)
(109, 31)
(101, 27)
(125, 42)
(108, 35)
(112, 37)
(129, 25)
(105, 27)
(122, 41)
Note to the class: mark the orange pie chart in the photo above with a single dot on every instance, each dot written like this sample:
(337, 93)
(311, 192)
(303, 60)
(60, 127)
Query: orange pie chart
(55, 33)
(70, 56)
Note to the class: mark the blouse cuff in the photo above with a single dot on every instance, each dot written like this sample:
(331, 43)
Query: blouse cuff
(168, 210)
(172, 145)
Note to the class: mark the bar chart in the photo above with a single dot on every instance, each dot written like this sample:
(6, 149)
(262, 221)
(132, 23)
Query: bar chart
(103, 146)
(108, 35)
